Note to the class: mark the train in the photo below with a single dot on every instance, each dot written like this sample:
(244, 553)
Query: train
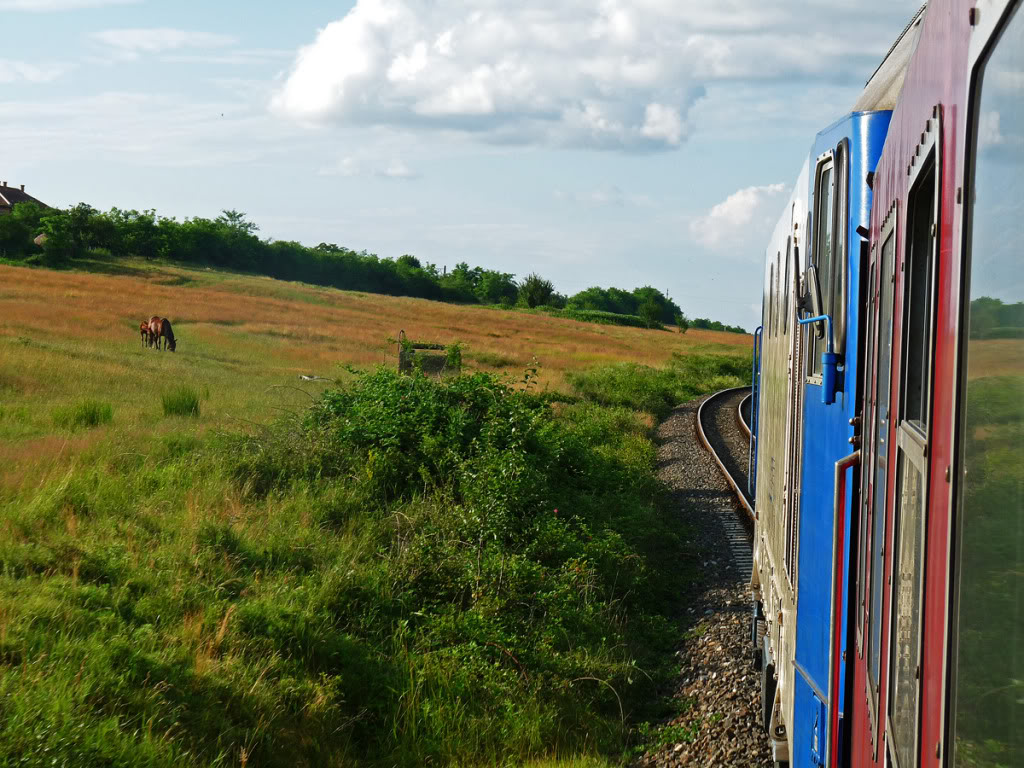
(887, 455)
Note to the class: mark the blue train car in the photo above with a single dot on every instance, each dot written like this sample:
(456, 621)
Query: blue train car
(808, 376)
(839, 203)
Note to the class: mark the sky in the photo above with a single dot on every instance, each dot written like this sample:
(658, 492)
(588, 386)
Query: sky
(609, 142)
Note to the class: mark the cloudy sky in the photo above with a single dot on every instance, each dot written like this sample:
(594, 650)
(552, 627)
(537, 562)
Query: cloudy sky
(609, 142)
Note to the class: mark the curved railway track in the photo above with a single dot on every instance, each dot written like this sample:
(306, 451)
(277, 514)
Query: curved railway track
(723, 429)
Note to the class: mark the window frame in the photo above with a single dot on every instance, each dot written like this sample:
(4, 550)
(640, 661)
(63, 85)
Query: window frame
(990, 20)
(826, 161)
(786, 286)
(840, 225)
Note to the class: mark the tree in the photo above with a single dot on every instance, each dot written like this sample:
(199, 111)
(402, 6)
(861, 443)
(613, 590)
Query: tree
(59, 245)
(497, 288)
(682, 322)
(535, 290)
(18, 228)
(236, 220)
(649, 312)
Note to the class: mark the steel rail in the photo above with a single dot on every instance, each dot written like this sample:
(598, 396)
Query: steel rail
(739, 415)
(744, 502)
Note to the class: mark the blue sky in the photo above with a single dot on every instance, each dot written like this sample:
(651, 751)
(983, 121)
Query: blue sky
(609, 142)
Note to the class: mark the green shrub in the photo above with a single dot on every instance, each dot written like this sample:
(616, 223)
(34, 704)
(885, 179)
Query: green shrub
(86, 414)
(181, 401)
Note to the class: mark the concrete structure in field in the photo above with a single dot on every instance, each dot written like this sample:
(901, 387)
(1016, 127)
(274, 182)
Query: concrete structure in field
(11, 196)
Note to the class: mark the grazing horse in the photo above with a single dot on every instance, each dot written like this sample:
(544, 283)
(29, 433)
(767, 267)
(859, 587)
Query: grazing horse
(147, 338)
(161, 326)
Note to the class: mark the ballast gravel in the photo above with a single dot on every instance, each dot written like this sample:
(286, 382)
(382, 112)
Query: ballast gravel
(717, 689)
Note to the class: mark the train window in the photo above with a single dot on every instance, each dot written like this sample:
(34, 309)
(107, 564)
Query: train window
(785, 286)
(880, 457)
(821, 255)
(988, 628)
(771, 300)
(778, 300)
(912, 439)
(840, 287)
(919, 296)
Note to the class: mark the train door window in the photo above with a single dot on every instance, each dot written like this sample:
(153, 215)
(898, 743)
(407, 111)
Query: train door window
(920, 242)
(987, 701)
(821, 253)
(880, 459)
(771, 300)
(840, 278)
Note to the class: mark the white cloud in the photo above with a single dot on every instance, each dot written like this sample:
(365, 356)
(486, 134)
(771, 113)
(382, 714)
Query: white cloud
(989, 132)
(351, 167)
(43, 6)
(663, 123)
(605, 195)
(612, 74)
(15, 71)
(745, 217)
(397, 169)
(129, 43)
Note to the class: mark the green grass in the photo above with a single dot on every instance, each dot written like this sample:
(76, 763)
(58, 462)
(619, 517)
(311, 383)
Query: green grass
(396, 572)
(657, 390)
(411, 571)
(83, 415)
(181, 401)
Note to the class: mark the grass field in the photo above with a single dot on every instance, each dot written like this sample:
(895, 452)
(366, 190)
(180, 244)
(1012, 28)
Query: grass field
(206, 561)
(67, 336)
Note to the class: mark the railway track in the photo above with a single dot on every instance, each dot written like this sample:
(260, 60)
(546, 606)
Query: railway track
(723, 428)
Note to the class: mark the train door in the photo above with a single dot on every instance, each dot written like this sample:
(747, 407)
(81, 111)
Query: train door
(875, 480)
(986, 702)
(914, 411)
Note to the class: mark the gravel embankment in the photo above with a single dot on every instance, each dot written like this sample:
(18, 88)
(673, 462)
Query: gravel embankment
(717, 687)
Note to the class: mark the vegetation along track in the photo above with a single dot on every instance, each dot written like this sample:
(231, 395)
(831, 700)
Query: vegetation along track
(722, 428)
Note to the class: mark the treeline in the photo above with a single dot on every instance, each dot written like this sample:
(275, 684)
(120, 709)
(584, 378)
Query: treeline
(992, 319)
(230, 241)
(713, 325)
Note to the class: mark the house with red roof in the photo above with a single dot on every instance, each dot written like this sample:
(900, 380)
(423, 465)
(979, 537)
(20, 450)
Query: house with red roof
(11, 196)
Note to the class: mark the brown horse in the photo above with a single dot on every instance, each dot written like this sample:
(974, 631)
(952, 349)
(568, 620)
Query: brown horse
(147, 339)
(161, 326)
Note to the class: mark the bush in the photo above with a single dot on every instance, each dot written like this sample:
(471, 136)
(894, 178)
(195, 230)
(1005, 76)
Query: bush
(649, 312)
(182, 401)
(535, 291)
(86, 414)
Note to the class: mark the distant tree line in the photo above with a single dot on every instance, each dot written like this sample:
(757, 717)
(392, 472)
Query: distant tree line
(713, 325)
(992, 319)
(230, 241)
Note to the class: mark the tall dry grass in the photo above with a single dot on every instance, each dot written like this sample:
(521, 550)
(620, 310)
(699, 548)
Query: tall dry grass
(243, 341)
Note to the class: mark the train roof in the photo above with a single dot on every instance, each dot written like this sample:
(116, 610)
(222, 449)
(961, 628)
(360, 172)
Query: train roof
(883, 87)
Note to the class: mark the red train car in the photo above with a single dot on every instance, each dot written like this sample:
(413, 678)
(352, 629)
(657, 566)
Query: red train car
(938, 586)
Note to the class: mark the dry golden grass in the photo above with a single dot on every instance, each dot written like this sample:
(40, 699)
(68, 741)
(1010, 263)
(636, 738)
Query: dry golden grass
(242, 342)
(996, 357)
